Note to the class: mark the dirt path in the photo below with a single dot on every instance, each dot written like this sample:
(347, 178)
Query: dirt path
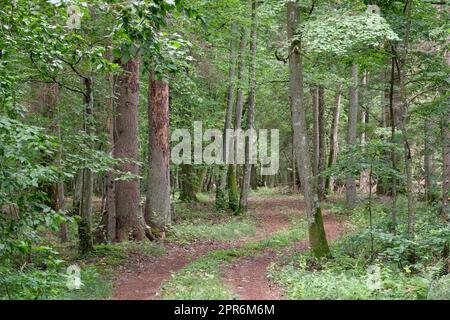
(141, 277)
(247, 276)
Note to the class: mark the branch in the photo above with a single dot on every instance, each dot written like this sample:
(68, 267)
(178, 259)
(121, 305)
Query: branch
(72, 66)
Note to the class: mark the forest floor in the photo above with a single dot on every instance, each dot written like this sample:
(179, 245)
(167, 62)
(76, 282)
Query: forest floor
(142, 277)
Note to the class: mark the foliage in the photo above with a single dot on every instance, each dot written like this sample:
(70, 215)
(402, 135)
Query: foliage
(349, 274)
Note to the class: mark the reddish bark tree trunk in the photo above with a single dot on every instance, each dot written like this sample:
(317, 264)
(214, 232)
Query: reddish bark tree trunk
(157, 208)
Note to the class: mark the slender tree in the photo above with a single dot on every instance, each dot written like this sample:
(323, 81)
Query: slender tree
(317, 237)
(334, 138)
(243, 202)
(233, 193)
(351, 132)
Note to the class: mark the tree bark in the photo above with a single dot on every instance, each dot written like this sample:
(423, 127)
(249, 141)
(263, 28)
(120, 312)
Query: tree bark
(403, 123)
(157, 209)
(243, 201)
(364, 178)
(315, 134)
(428, 163)
(317, 237)
(189, 183)
(445, 131)
(334, 138)
(393, 102)
(222, 172)
(128, 209)
(233, 193)
(351, 133)
(110, 204)
(85, 222)
(383, 184)
(322, 146)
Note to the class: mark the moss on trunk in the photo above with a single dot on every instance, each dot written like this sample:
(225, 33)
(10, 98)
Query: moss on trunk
(317, 237)
(233, 193)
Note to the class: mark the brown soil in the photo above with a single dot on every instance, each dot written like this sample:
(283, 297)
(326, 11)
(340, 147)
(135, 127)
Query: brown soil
(141, 277)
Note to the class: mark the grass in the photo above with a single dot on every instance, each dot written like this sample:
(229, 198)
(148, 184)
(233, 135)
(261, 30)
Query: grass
(189, 231)
(96, 285)
(201, 222)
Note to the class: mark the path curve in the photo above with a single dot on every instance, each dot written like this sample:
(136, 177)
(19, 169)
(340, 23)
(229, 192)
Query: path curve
(248, 276)
(141, 277)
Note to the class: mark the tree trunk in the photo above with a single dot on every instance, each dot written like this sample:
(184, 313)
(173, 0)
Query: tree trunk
(189, 182)
(243, 201)
(446, 156)
(157, 209)
(222, 172)
(233, 193)
(109, 178)
(322, 146)
(254, 178)
(315, 134)
(128, 208)
(393, 102)
(317, 237)
(383, 184)
(351, 133)
(364, 178)
(334, 139)
(85, 222)
(428, 163)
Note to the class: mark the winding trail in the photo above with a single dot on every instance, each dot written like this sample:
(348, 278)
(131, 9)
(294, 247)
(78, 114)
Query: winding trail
(248, 276)
(141, 277)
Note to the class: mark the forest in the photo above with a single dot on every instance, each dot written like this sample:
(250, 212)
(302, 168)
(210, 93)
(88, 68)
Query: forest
(224, 150)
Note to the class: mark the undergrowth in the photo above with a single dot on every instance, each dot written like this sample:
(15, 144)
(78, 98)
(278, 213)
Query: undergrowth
(373, 265)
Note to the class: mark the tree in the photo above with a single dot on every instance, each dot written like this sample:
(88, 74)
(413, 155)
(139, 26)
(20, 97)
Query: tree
(243, 202)
(334, 138)
(128, 198)
(157, 208)
(317, 237)
(233, 193)
(351, 132)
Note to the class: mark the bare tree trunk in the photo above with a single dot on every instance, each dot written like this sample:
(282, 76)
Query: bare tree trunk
(446, 157)
(233, 193)
(128, 210)
(383, 183)
(351, 133)
(322, 146)
(109, 179)
(189, 181)
(157, 209)
(221, 172)
(315, 128)
(85, 222)
(243, 202)
(403, 124)
(393, 101)
(428, 163)
(334, 138)
(317, 237)
(364, 176)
